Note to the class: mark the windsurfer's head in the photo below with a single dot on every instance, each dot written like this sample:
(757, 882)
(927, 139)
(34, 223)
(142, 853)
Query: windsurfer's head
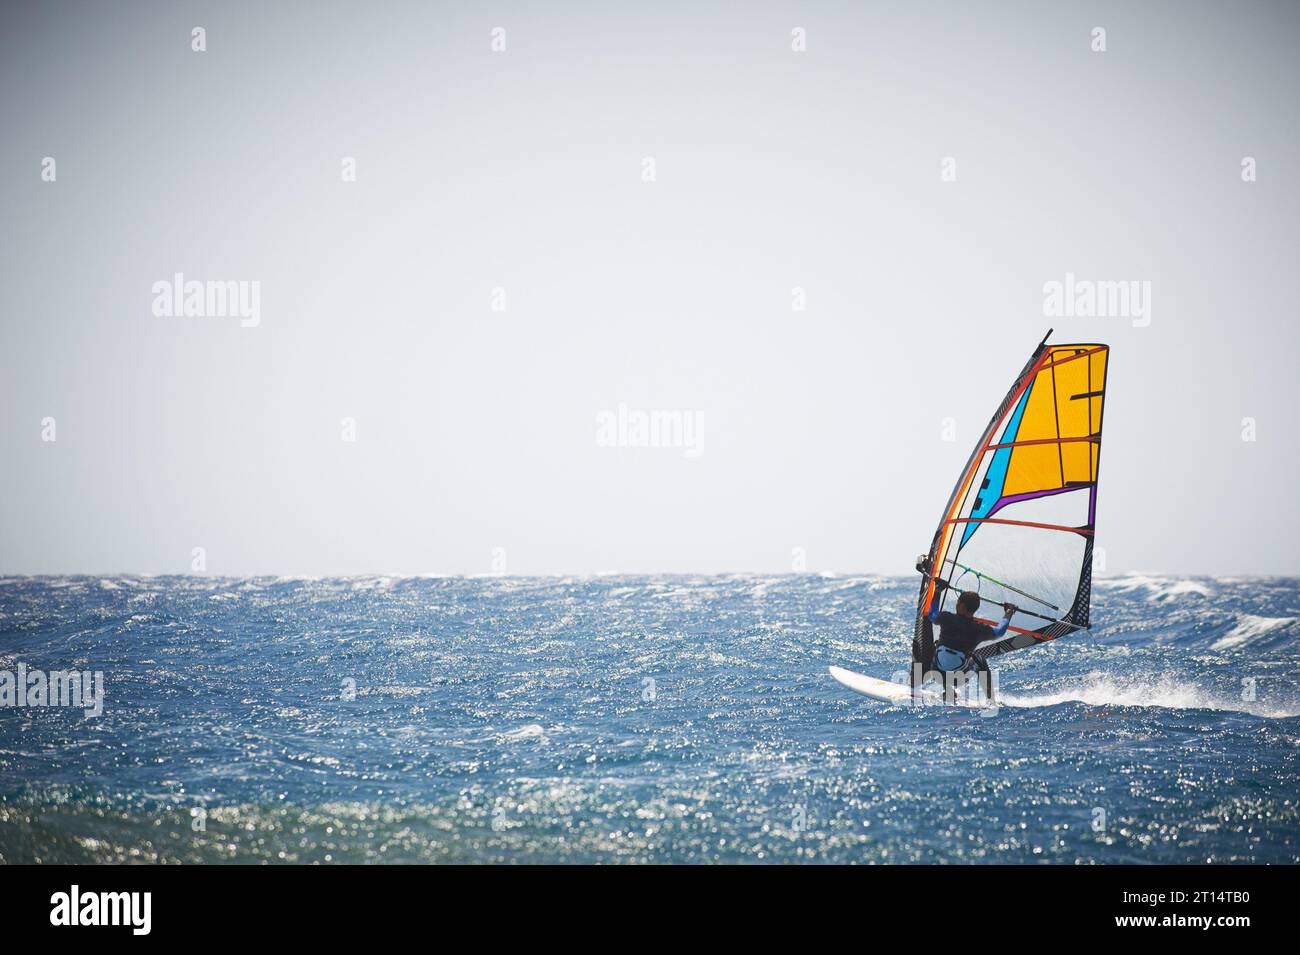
(968, 603)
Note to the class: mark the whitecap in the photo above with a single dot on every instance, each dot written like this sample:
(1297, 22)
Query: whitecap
(1161, 589)
(1248, 628)
(1171, 691)
(529, 731)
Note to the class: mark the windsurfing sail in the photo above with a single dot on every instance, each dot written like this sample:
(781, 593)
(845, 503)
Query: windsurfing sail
(1018, 526)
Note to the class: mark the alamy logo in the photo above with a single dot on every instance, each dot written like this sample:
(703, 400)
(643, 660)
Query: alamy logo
(634, 428)
(194, 299)
(1084, 298)
(103, 908)
(71, 688)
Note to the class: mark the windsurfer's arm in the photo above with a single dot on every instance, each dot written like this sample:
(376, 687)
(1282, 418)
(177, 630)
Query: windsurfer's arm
(1006, 620)
(939, 587)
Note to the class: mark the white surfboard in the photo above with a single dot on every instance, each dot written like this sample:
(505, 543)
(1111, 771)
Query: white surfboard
(899, 693)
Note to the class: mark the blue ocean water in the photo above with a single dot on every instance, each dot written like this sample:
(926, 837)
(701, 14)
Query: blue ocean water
(637, 719)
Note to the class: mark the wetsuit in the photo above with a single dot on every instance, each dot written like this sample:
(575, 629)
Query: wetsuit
(958, 638)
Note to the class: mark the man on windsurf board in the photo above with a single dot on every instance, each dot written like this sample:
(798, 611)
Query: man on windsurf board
(960, 633)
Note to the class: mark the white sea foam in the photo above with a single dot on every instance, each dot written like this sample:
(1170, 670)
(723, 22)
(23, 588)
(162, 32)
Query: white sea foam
(1171, 691)
(1159, 589)
(529, 731)
(1248, 628)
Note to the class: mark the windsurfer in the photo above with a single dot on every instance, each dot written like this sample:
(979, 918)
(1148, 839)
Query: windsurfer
(960, 633)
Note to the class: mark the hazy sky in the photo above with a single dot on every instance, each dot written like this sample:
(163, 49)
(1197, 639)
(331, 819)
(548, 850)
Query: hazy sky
(524, 170)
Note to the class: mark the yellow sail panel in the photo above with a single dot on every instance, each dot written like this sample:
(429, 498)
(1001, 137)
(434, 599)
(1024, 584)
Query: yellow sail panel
(1033, 468)
(1055, 443)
